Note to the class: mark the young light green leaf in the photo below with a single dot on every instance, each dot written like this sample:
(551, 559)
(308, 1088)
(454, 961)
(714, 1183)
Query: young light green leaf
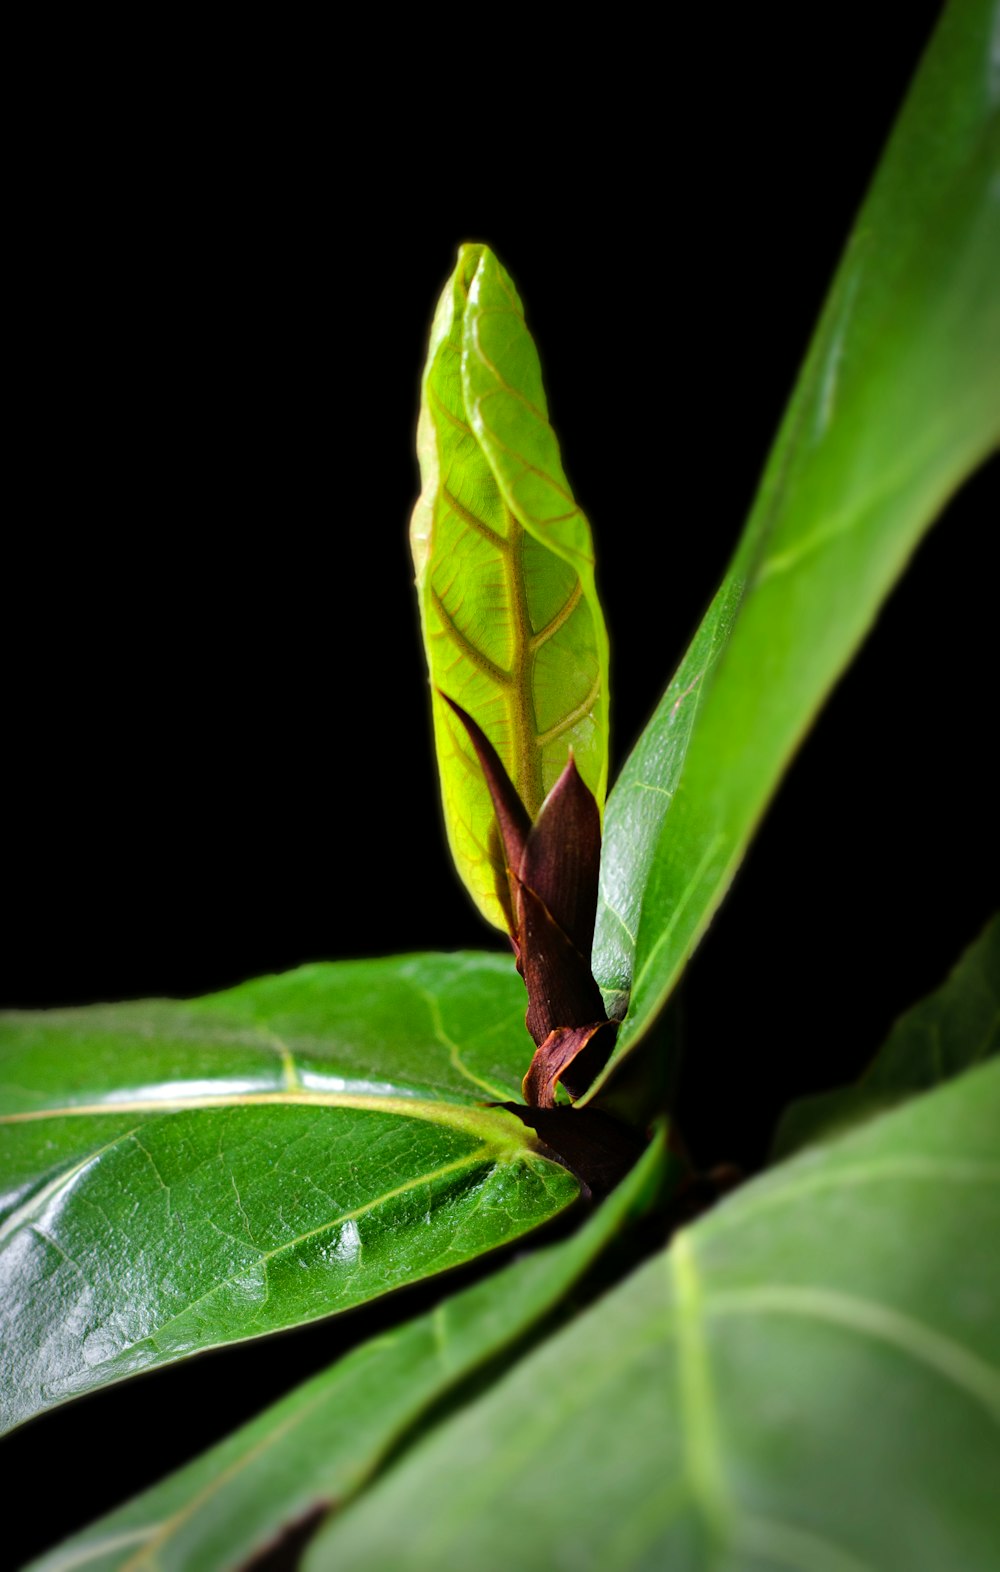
(178, 1175)
(956, 1027)
(898, 401)
(505, 575)
(809, 1377)
(323, 1443)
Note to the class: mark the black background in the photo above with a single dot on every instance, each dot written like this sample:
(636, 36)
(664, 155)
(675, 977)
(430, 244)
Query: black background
(218, 759)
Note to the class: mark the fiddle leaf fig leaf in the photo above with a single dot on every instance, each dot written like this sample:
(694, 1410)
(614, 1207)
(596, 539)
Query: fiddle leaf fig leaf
(512, 627)
(180, 1174)
(897, 403)
(809, 1377)
(322, 1444)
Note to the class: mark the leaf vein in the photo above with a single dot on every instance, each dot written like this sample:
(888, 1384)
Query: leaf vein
(570, 719)
(263, 1260)
(932, 1170)
(475, 523)
(472, 653)
(932, 1349)
(618, 917)
(703, 1458)
(454, 1049)
(562, 616)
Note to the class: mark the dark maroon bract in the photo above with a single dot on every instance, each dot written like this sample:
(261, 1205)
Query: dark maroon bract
(550, 902)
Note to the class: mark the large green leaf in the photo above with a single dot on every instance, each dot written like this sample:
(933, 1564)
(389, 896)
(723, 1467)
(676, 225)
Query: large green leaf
(505, 573)
(808, 1378)
(321, 1444)
(182, 1174)
(955, 1027)
(898, 400)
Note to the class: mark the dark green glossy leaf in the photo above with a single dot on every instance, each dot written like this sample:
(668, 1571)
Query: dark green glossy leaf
(955, 1027)
(808, 1379)
(512, 626)
(182, 1174)
(322, 1443)
(640, 798)
(898, 401)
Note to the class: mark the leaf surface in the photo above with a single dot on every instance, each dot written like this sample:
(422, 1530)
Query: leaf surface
(512, 627)
(323, 1442)
(641, 796)
(178, 1175)
(898, 401)
(956, 1027)
(808, 1378)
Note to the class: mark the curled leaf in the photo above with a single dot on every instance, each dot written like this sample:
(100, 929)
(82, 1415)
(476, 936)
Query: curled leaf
(505, 575)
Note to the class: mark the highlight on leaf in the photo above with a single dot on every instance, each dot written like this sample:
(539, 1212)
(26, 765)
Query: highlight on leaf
(505, 576)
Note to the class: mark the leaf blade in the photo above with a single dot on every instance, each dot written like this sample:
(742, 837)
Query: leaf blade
(898, 400)
(183, 1174)
(512, 627)
(756, 1395)
(322, 1442)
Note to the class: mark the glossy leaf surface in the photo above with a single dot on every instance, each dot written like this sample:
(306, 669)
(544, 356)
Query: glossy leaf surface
(956, 1027)
(178, 1175)
(323, 1442)
(505, 575)
(898, 400)
(808, 1378)
(640, 798)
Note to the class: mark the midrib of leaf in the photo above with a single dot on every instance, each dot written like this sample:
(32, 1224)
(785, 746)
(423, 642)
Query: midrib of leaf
(701, 1445)
(517, 687)
(482, 1122)
(516, 681)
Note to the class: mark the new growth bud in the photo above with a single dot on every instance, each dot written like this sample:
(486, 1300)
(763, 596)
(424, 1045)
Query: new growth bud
(550, 902)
